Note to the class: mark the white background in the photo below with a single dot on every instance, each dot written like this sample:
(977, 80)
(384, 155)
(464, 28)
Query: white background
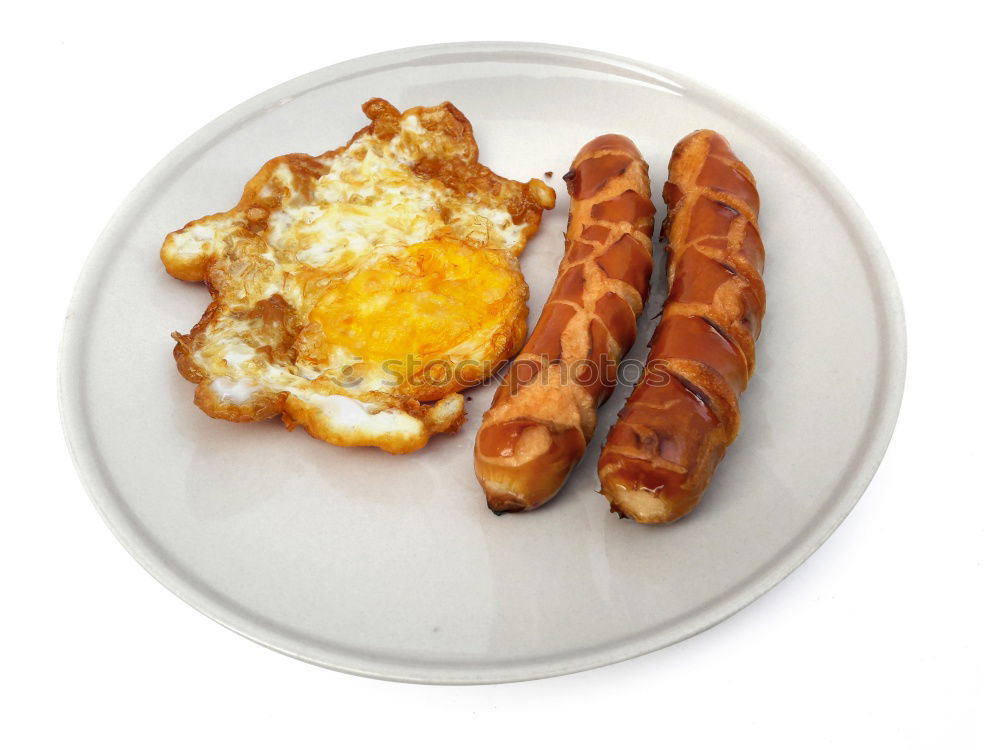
(884, 638)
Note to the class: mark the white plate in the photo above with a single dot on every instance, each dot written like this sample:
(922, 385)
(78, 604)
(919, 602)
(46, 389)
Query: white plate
(391, 566)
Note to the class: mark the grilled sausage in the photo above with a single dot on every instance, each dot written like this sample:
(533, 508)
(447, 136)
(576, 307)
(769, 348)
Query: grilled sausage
(545, 410)
(684, 413)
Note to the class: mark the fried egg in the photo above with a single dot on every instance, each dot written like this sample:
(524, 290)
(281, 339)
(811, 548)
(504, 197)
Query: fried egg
(356, 293)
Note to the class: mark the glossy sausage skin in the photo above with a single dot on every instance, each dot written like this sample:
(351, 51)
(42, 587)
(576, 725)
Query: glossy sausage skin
(545, 410)
(684, 413)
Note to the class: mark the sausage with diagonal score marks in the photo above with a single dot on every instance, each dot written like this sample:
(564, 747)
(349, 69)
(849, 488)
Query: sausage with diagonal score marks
(545, 410)
(684, 413)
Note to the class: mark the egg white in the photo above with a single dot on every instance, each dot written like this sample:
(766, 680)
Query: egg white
(257, 353)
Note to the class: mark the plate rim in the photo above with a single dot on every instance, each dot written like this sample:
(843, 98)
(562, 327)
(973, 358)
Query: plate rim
(100, 487)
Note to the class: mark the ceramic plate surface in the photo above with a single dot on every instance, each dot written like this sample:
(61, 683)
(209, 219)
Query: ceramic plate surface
(391, 566)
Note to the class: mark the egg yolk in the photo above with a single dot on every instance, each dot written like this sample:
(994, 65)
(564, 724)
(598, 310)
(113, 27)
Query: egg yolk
(422, 303)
